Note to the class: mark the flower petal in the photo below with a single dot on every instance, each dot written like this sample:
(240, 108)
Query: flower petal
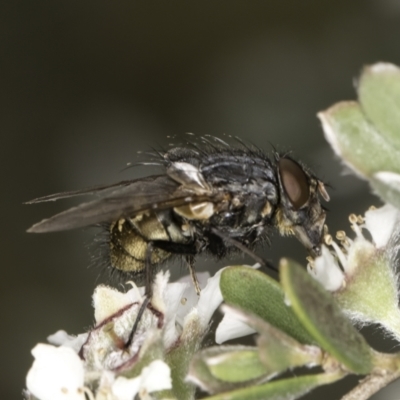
(326, 271)
(156, 376)
(107, 301)
(231, 327)
(125, 389)
(160, 285)
(210, 299)
(173, 297)
(61, 338)
(189, 295)
(381, 223)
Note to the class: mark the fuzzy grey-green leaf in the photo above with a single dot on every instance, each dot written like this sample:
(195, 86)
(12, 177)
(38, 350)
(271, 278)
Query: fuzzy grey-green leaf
(366, 134)
(357, 141)
(322, 317)
(255, 292)
(278, 354)
(235, 364)
(178, 358)
(387, 186)
(284, 389)
(379, 96)
(208, 372)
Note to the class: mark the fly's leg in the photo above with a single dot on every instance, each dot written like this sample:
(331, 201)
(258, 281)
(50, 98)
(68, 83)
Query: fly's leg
(190, 261)
(149, 276)
(142, 309)
(147, 294)
(245, 250)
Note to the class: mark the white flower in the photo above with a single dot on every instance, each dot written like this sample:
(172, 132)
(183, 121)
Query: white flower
(56, 374)
(156, 376)
(326, 271)
(176, 313)
(334, 270)
(362, 274)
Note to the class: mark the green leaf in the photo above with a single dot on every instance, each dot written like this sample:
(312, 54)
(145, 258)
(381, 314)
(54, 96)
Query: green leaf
(379, 96)
(234, 363)
(387, 185)
(371, 295)
(216, 379)
(323, 319)
(255, 292)
(279, 351)
(357, 141)
(366, 135)
(285, 389)
(200, 374)
(178, 358)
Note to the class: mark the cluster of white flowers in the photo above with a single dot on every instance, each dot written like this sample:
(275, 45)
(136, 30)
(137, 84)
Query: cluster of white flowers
(92, 363)
(58, 373)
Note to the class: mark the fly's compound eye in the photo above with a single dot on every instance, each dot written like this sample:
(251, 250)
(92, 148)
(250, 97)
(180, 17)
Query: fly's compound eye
(294, 182)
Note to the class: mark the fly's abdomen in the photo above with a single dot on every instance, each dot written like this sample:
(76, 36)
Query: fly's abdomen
(129, 241)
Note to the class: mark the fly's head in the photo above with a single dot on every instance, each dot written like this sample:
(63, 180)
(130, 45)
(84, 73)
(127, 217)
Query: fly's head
(300, 212)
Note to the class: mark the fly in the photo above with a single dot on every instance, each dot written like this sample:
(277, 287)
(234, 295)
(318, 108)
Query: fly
(213, 198)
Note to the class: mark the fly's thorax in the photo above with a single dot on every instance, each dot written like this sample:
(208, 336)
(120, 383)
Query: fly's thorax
(218, 166)
(241, 182)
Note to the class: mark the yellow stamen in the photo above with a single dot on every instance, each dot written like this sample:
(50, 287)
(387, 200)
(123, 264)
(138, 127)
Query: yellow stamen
(354, 225)
(328, 239)
(353, 218)
(341, 256)
(341, 235)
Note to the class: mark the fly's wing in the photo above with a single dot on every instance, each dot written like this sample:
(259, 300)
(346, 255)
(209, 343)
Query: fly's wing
(90, 191)
(152, 193)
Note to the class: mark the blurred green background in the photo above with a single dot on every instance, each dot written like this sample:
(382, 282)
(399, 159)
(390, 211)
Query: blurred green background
(87, 84)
